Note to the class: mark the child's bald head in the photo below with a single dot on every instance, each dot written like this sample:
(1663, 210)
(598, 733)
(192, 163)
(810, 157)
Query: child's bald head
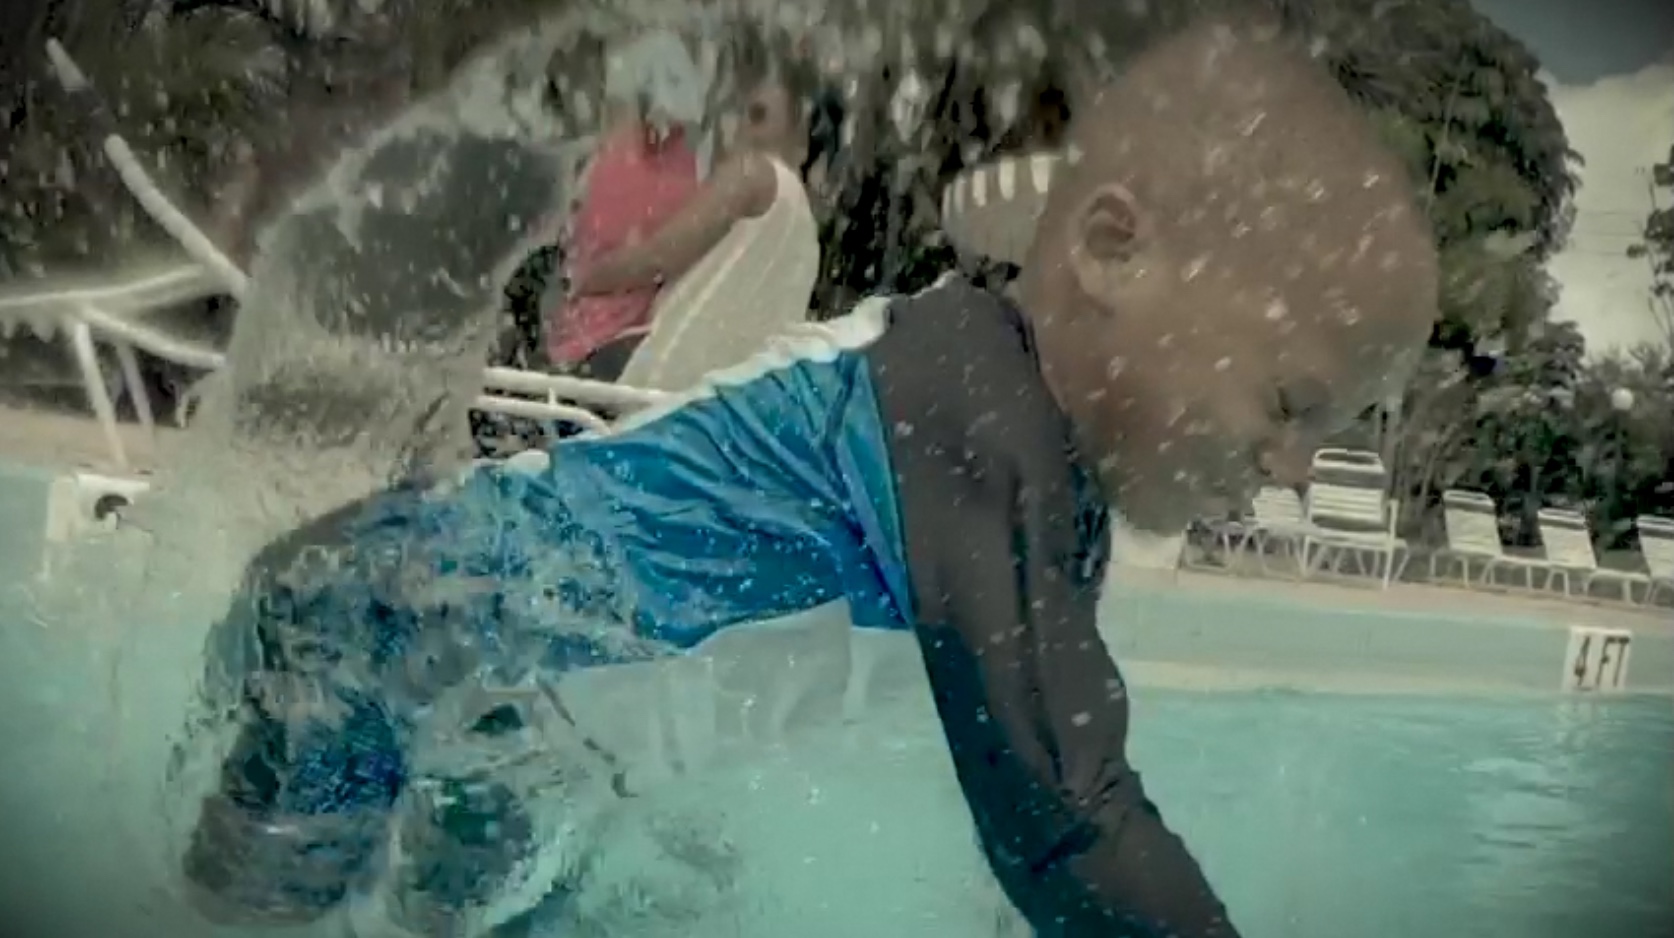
(1227, 270)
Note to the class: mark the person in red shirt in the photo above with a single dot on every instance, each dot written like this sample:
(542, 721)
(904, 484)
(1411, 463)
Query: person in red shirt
(641, 177)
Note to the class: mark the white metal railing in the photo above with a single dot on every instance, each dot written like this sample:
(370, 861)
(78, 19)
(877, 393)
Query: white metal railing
(112, 311)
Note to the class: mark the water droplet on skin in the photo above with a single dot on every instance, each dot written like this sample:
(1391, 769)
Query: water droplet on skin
(1164, 447)
(1081, 718)
(1194, 267)
(1349, 315)
(1369, 180)
(1250, 126)
(1167, 341)
(1115, 367)
(1389, 261)
(1277, 311)
(1223, 363)
(1315, 191)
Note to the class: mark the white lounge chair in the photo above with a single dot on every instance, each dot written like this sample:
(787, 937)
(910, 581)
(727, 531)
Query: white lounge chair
(1656, 543)
(1570, 557)
(1350, 467)
(1473, 536)
(990, 210)
(1348, 515)
(1275, 518)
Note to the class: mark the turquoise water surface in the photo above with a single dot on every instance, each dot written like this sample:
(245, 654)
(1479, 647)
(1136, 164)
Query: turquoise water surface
(1316, 815)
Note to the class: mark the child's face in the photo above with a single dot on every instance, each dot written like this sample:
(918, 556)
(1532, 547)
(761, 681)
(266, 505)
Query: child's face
(1230, 273)
(1213, 392)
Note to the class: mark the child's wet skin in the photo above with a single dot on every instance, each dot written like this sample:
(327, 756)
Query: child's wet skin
(1229, 273)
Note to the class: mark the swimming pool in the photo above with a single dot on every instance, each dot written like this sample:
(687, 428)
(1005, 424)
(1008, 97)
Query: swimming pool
(1496, 808)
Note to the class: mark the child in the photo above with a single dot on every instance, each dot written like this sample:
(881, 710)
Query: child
(1228, 273)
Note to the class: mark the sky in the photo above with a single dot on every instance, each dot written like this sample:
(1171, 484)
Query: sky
(1610, 70)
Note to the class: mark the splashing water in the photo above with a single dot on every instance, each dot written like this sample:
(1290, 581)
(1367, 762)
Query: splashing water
(357, 352)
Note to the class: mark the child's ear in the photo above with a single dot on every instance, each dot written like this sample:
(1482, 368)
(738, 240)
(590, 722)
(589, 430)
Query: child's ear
(1110, 232)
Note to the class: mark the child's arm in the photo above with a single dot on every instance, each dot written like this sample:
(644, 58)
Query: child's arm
(741, 189)
(305, 794)
(297, 821)
(1036, 716)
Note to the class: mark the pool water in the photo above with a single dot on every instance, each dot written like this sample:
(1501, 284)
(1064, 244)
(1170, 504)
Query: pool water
(1316, 815)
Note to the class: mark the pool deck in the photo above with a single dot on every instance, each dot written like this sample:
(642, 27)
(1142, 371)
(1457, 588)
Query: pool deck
(65, 438)
(1215, 631)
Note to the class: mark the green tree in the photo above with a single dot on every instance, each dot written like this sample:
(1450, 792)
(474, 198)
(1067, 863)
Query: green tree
(1625, 457)
(1657, 248)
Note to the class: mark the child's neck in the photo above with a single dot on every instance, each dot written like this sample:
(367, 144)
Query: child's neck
(1032, 295)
